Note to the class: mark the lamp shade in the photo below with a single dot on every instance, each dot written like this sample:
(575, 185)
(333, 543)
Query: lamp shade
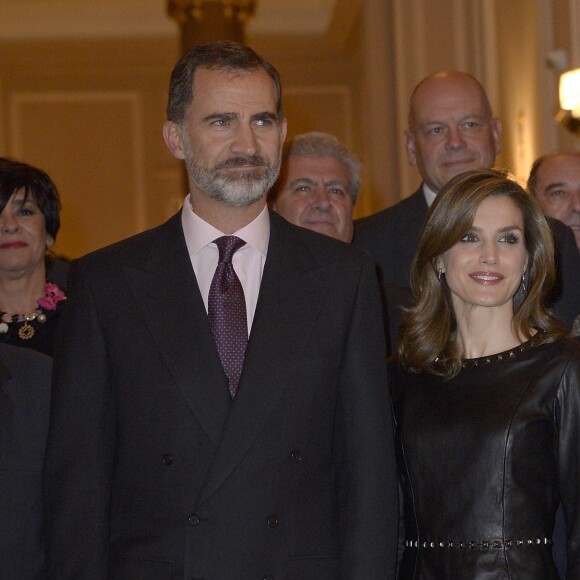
(570, 91)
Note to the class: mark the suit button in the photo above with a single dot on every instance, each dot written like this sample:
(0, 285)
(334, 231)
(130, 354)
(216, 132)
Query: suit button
(272, 521)
(167, 459)
(296, 456)
(193, 520)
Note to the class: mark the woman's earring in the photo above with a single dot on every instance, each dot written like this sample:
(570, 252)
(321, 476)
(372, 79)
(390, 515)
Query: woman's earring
(524, 289)
(440, 275)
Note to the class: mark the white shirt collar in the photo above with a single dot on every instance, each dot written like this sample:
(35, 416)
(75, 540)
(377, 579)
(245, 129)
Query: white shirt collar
(199, 233)
(429, 194)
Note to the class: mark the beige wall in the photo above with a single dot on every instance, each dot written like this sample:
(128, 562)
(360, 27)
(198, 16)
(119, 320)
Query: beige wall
(90, 114)
(520, 95)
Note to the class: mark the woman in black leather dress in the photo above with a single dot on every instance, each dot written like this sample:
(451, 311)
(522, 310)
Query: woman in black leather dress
(486, 394)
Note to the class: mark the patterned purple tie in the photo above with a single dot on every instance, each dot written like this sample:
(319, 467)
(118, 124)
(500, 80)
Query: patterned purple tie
(227, 312)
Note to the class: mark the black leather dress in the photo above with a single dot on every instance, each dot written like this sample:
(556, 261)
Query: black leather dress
(485, 459)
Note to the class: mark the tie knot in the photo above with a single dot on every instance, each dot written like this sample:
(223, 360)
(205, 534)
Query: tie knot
(228, 245)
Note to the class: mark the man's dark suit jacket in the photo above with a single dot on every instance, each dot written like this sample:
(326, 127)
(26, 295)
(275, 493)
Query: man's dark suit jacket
(392, 237)
(152, 472)
(24, 411)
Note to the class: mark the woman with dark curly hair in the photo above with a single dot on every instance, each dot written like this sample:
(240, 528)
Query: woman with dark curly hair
(30, 300)
(487, 393)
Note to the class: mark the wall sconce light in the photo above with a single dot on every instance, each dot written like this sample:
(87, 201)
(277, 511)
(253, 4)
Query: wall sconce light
(569, 114)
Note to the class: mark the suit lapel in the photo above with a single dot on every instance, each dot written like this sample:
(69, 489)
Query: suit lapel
(291, 294)
(166, 290)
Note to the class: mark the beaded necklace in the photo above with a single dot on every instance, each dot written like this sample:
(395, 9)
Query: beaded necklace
(52, 296)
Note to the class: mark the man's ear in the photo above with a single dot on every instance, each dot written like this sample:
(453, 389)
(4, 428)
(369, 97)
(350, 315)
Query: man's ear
(283, 129)
(496, 130)
(173, 139)
(410, 147)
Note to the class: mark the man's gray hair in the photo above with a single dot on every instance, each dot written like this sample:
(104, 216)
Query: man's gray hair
(316, 144)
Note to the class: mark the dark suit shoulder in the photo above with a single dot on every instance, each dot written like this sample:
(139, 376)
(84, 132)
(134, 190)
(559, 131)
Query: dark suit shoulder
(392, 236)
(558, 227)
(564, 237)
(24, 362)
(315, 245)
(280, 226)
(408, 207)
(57, 271)
(407, 214)
(564, 298)
(135, 247)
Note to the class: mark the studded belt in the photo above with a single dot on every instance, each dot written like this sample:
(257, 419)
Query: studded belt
(482, 544)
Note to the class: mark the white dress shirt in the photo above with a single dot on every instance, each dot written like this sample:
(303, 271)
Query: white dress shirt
(248, 261)
(429, 194)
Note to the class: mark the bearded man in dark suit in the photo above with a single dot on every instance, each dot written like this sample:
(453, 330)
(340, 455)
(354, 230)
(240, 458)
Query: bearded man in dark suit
(452, 129)
(169, 455)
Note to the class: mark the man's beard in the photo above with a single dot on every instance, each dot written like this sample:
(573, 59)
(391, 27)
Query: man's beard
(234, 188)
